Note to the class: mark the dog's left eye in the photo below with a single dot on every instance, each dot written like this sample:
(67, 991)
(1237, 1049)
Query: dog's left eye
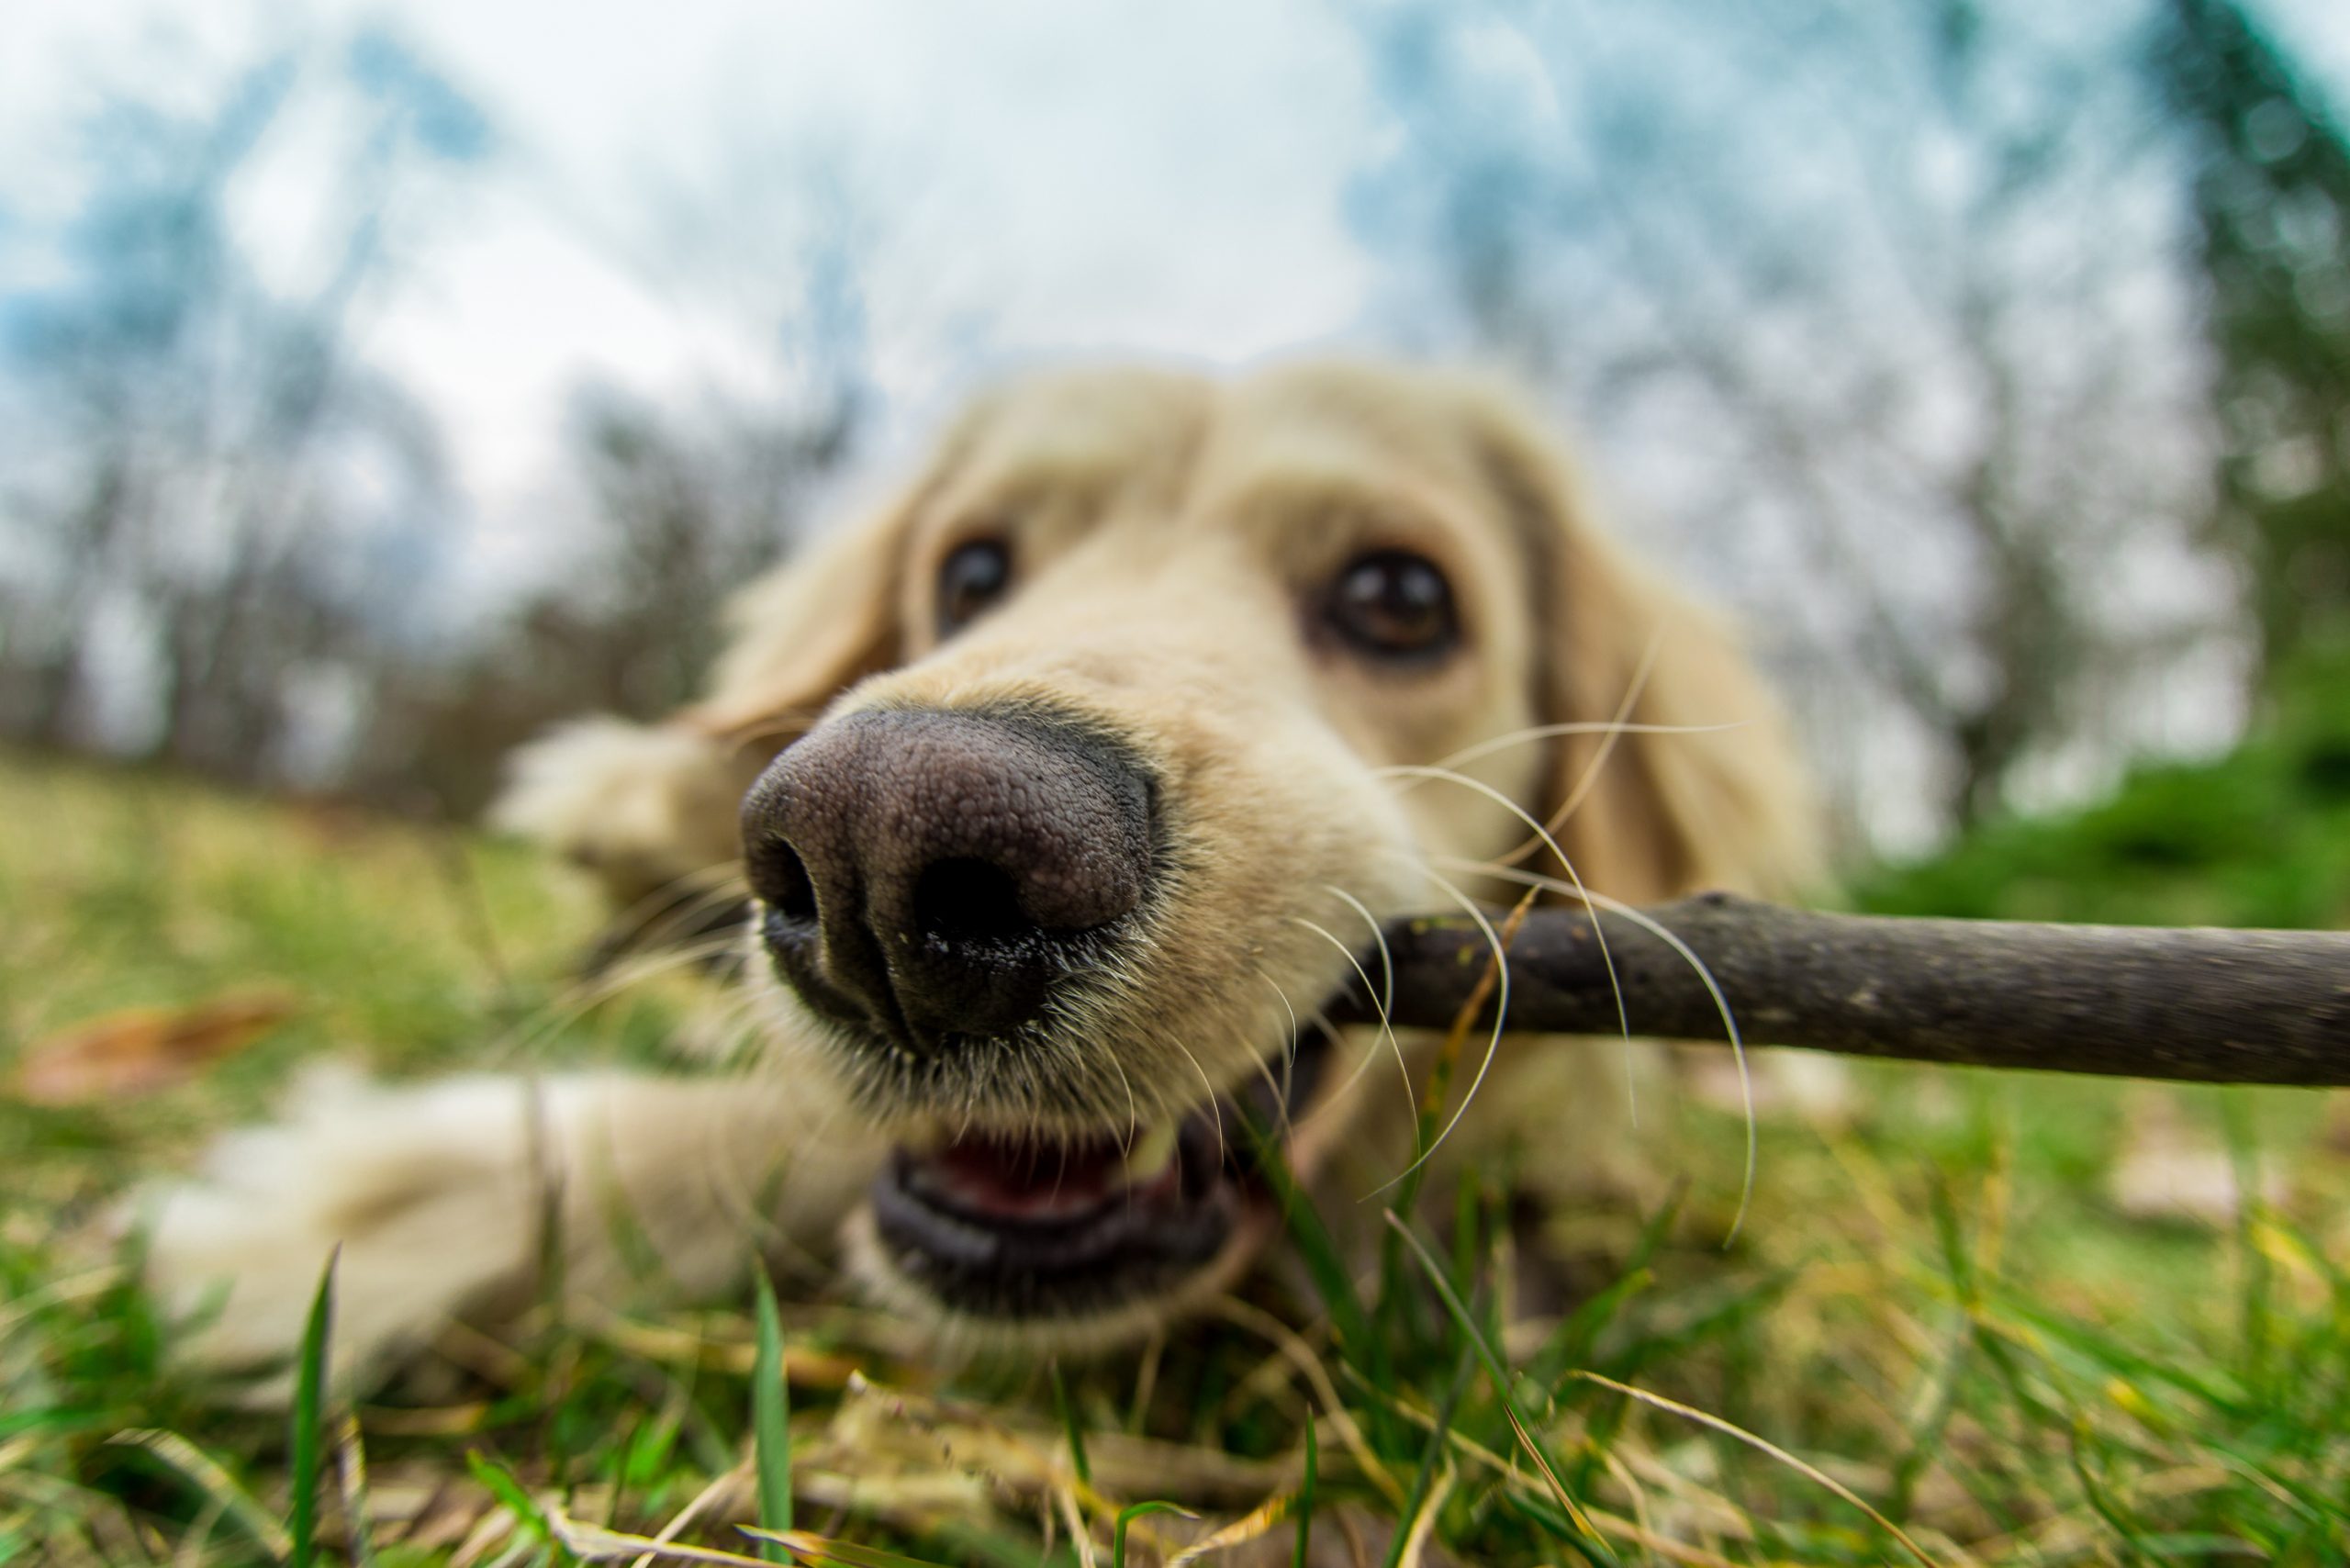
(973, 576)
(1395, 605)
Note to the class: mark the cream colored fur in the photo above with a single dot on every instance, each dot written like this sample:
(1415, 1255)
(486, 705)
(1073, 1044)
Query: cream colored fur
(1169, 533)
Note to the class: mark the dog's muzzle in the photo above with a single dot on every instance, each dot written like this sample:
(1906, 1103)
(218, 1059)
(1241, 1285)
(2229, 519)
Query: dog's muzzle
(930, 880)
(929, 876)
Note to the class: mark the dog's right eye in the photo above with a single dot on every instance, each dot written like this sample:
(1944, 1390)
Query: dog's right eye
(973, 576)
(1396, 606)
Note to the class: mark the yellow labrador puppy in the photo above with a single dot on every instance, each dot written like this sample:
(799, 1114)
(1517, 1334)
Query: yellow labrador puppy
(1063, 784)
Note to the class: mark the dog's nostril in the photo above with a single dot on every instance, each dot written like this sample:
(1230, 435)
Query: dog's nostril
(966, 900)
(780, 878)
(936, 874)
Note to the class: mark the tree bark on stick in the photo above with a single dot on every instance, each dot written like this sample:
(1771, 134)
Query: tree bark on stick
(2199, 1006)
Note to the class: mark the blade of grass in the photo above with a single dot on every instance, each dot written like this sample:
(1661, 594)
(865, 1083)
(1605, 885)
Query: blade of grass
(1129, 1514)
(307, 1438)
(1764, 1446)
(1316, 1247)
(2106, 1505)
(1258, 1523)
(1504, 1391)
(2220, 1388)
(718, 1486)
(1306, 1496)
(1577, 1333)
(593, 1543)
(1412, 1549)
(1924, 1430)
(504, 1485)
(771, 1424)
(2300, 1498)
(1317, 1377)
(213, 1479)
(2257, 1307)
(976, 1546)
(351, 1455)
(1069, 1424)
(1417, 1500)
(1394, 1302)
(1354, 1336)
(823, 1548)
(1737, 1303)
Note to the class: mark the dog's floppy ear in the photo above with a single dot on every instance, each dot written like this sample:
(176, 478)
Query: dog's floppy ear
(651, 808)
(799, 637)
(1722, 802)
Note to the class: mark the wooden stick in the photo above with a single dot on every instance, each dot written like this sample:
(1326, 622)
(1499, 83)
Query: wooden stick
(2199, 1005)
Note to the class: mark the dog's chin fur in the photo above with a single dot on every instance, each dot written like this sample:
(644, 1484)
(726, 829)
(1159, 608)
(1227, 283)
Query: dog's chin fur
(1175, 543)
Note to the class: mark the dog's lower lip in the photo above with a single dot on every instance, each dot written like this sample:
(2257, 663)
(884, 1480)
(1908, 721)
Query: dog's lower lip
(991, 1227)
(993, 1182)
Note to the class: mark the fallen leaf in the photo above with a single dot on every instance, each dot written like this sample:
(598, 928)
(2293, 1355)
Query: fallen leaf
(142, 1049)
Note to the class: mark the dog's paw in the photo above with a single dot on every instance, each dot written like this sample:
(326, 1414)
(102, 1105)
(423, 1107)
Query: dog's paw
(426, 1191)
(641, 806)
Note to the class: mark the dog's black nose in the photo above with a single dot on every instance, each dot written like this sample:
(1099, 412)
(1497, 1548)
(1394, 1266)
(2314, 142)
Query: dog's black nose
(932, 872)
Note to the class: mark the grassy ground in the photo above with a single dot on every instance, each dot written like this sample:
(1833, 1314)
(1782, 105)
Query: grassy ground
(1934, 1340)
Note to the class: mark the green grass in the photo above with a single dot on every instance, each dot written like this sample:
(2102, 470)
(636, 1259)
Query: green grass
(1932, 1323)
(2259, 836)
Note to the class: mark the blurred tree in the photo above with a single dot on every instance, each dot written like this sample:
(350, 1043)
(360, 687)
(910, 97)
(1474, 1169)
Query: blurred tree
(2272, 203)
(1888, 305)
(221, 513)
(687, 498)
(692, 506)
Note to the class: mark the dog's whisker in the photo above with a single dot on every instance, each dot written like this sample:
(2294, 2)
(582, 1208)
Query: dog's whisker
(1610, 731)
(1446, 775)
(1542, 834)
(667, 907)
(1134, 1112)
(589, 990)
(583, 996)
(1662, 932)
(1588, 779)
(1379, 936)
(720, 885)
(652, 965)
(1289, 1057)
(734, 1028)
(1279, 1086)
(818, 1263)
(1214, 1105)
(1574, 878)
(1386, 1029)
(1532, 732)
(1385, 1006)
(1633, 690)
(1650, 924)
(1492, 1042)
(1574, 883)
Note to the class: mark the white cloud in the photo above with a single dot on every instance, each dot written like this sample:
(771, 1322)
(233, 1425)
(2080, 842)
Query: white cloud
(1079, 178)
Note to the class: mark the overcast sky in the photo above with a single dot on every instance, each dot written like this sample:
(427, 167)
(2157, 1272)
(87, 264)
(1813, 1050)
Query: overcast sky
(1079, 175)
(1133, 178)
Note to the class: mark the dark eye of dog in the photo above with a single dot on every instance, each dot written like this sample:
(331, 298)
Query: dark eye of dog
(1393, 605)
(973, 576)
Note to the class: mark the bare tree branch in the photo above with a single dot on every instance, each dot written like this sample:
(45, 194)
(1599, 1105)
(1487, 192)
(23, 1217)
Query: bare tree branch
(2199, 1006)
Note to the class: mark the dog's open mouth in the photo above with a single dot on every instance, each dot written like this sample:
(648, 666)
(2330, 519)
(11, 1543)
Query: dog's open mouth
(1020, 1230)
